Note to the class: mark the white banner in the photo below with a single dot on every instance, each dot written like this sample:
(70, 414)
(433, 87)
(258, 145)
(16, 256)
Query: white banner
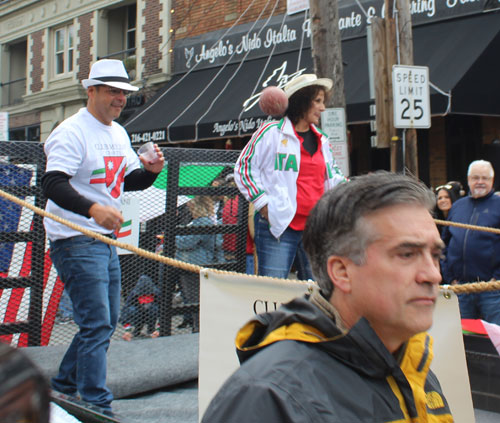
(333, 123)
(4, 126)
(129, 231)
(228, 301)
(449, 362)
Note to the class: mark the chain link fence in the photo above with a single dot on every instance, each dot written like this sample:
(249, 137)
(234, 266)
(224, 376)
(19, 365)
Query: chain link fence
(193, 213)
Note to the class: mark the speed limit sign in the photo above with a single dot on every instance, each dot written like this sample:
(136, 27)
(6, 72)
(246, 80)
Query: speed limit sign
(410, 90)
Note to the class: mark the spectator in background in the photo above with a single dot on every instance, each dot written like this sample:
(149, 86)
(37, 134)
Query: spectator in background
(218, 208)
(458, 188)
(141, 309)
(218, 200)
(284, 170)
(445, 197)
(473, 255)
(230, 217)
(65, 310)
(251, 255)
(183, 215)
(198, 249)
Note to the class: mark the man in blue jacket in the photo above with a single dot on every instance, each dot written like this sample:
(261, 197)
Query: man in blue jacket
(473, 255)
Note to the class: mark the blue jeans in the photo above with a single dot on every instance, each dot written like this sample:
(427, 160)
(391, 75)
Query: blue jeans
(276, 257)
(65, 306)
(250, 265)
(481, 305)
(90, 270)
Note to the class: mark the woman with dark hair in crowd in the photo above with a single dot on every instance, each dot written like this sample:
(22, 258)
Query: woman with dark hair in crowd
(446, 195)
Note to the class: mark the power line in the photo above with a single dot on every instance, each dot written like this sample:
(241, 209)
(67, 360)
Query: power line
(191, 69)
(172, 32)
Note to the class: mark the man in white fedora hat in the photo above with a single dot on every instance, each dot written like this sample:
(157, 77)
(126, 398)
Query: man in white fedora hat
(90, 162)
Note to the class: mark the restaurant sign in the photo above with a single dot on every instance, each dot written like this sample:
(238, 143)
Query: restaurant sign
(285, 33)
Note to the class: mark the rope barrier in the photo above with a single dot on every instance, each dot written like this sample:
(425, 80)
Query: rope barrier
(470, 287)
(473, 287)
(139, 251)
(467, 226)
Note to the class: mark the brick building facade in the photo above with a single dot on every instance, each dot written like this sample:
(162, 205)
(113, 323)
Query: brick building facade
(47, 47)
(454, 139)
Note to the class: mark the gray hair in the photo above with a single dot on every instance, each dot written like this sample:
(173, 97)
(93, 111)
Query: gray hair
(336, 225)
(481, 162)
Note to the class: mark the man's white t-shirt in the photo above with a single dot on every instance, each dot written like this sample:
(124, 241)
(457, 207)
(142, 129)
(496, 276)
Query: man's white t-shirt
(97, 157)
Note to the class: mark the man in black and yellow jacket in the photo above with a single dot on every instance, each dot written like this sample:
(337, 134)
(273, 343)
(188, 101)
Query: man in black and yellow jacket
(354, 350)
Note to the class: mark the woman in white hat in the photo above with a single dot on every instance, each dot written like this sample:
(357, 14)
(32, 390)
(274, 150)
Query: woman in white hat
(283, 171)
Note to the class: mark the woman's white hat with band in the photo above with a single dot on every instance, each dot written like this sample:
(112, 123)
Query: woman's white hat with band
(306, 80)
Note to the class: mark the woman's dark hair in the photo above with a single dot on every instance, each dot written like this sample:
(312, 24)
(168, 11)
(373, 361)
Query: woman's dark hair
(457, 188)
(300, 102)
(452, 193)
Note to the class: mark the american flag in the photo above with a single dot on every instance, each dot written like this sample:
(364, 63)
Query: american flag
(16, 260)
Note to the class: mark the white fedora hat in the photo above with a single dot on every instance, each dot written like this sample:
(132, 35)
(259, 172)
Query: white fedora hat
(109, 72)
(306, 80)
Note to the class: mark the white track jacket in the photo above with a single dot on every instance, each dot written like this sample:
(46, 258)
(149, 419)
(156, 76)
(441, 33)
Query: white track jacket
(268, 167)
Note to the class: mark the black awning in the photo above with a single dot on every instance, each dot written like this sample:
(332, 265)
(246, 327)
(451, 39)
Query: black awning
(206, 104)
(462, 56)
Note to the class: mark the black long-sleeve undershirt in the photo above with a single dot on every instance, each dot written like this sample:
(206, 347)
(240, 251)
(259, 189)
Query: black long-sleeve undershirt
(56, 186)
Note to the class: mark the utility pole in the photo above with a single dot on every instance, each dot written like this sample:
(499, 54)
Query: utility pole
(391, 59)
(393, 44)
(406, 55)
(327, 58)
(326, 47)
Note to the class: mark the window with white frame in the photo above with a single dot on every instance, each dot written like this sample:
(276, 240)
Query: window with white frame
(131, 24)
(121, 37)
(63, 49)
(121, 32)
(13, 72)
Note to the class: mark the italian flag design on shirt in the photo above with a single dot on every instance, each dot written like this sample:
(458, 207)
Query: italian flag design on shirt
(125, 229)
(112, 175)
